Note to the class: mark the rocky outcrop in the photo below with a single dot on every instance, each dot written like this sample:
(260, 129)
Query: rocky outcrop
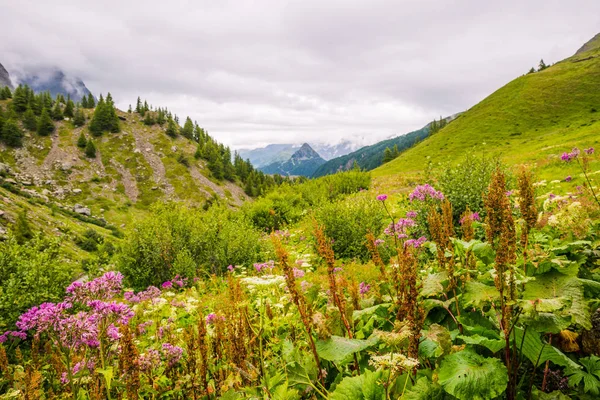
(79, 209)
(590, 45)
(4, 78)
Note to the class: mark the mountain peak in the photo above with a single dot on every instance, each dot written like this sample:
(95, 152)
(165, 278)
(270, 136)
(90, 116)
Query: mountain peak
(305, 152)
(592, 44)
(5, 77)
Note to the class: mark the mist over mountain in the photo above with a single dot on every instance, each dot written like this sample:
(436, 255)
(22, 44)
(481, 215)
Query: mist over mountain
(5, 77)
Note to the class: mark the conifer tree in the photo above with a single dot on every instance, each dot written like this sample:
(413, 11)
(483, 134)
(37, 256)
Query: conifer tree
(138, 106)
(29, 120)
(57, 113)
(542, 65)
(12, 135)
(91, 102)
(5, 93)
(387, 155)
(90, 149)
(160, 116)
(149, 119)
(21, 229)
(20, 99)
(84, 102)
(45, 126)
(172, 128)
(69, 108)
(79, 118)
(188, 128)
(129, 110)
(81, 141)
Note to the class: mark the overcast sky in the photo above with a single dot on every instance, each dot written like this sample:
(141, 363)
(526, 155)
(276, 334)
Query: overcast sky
(276, 71)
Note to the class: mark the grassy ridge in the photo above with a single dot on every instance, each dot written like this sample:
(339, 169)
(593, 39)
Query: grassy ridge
(528, 119)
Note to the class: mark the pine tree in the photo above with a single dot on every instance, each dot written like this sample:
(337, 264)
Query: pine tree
(188, 128)
(29, 120)
(45, 126)
(90, 149)
(542, 65)
(91, 102)
(138, 106)
(12, 135)
(84, 102)
(20, 99)
(395, 151)
(105, 117)
(5, 93)
(149, 119)
(160, 117)
(57, 113)
(387, 155)
(172, 128)
(82, 141)
(79, 118)
(69, 108)
(531, 71)
(129, 110)
(21, 229)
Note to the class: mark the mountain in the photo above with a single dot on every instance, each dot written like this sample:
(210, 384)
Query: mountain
(54, 81)
(303, 162)
(274, 153)
(370, 157)
(535, 116)
(263, 156)
(330, 151)
(5, 77)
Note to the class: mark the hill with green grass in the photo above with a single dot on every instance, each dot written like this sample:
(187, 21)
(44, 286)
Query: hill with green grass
(532, 118)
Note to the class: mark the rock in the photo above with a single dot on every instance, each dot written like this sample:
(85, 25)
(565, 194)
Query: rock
(66, 166)
(136, 151)
(173, 149)
(154, 188)
(148, 149)
(11, 181)
(26, 183)
(79, 209)
(49, 182)
(122, 118)
(46, 192)
(77, 191)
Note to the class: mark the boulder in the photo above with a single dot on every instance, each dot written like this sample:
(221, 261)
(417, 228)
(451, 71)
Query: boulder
(77, 191)
(11, 181)
(79, 209)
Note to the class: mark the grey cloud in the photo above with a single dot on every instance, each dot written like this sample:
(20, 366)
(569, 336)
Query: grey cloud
(255, 72)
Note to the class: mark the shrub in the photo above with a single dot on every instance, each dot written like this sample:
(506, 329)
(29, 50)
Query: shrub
(175, 240)
(90, 149)
(90, 240)
(464, 184)
(277, 209)
(82, 141)
(30, 274)
(182, 159)
(347, 222)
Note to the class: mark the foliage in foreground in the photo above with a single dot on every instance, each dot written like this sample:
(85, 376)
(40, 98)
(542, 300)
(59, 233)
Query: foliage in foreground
(504, 306)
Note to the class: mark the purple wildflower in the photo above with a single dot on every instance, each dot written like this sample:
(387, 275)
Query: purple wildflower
(230, 268)
(379, 242)
(382, 197)
(337, 270)
(411, 214)
(568, 178)
(363, 287)
(113, 332)
(149, 360)
(298, 273)
(172, 353)
(103, 288)
(167, 285)
(212, 318)
(142, 327)
(415, 242)
(422, 192)
(589, 151)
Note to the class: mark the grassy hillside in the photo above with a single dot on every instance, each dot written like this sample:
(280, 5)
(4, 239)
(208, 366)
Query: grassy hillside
(132, 169)
(533, 117)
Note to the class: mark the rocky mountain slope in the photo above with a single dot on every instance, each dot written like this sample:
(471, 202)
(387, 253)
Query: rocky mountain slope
(5, 77)
(535, 116)
(303, 162)
(131, 170)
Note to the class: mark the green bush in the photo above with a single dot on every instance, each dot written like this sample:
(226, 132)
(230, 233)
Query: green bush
(277, 209)
(464, 184)
(347, 222)
(175, 240)
(30, 274)
(90, 240)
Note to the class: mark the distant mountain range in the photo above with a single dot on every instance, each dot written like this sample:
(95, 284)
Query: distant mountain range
(272, 153)
(303, 162)
(49, 79)
(371, 157)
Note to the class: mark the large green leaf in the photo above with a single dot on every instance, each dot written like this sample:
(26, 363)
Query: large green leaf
(379, 310)
(468, 376)
(433, 284)
(340, 349)
(537, 352)
(367, 386)
(588, 376)
(484, 252)
(494, 345)
(478, 294)
(424, 389)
